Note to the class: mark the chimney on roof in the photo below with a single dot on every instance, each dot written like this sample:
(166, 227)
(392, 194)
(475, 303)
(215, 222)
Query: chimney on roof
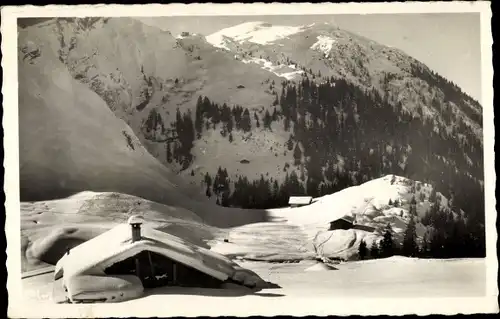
(135, 223)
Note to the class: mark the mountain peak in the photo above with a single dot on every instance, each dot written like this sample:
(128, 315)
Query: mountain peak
(256, 31)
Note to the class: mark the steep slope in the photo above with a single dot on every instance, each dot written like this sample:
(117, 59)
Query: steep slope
(144, 75)
(71, 141)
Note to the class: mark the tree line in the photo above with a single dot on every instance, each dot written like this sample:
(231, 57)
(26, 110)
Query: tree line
(342, 135)
(266, 192)
(377, 138)
(209, 115)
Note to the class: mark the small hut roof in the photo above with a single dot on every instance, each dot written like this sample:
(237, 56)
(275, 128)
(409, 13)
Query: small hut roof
(347, 218)
(300, 200)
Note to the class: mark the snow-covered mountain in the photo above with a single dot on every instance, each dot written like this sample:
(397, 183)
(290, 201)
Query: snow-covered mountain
(334, 52)
(255, 32)
(199, 103)
(74, 135)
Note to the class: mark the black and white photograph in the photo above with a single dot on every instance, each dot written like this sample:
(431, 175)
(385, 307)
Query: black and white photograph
(258, 159)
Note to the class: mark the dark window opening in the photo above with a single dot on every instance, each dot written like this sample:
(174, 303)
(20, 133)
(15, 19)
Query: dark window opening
(156, 270)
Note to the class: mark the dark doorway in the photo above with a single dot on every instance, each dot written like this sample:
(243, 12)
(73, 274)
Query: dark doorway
(156, 270)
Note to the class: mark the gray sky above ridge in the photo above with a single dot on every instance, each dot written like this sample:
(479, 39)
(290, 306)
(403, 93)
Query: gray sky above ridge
(449, 43)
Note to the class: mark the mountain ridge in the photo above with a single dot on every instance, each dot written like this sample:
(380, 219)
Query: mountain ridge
(160, 74)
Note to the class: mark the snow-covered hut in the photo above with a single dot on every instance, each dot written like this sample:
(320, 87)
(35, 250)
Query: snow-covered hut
(297, 201)
(344, 222)
(120, 263)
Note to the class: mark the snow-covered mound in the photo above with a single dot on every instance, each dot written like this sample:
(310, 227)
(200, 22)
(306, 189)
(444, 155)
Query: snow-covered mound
(48, 228)
(367, 203)
(373, 205)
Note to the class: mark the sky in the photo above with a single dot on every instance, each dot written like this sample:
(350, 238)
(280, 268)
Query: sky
(448, 43)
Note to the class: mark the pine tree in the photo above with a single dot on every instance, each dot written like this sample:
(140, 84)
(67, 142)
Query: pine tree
(225, 199)
(276, 191)
(424, 249)
(286, 123)
(199, 116)
(393, 179)
(387, 244)
(275, 115)
(207, 179)
(169, 153)
(267, 120)
(208, 192)
(289, 143)
(192, 172)
(230, 124)
(422, 196)
(390, 202)
(297, 154)
(413, 200)
(362, 250)
(413, 210)
(246, 123)
(410, 247)
(374, 250)
(433, 196)
(276, 101)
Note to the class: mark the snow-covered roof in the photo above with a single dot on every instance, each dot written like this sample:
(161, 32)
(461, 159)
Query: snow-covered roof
(300, 200)
(94, 256)
(347, 218)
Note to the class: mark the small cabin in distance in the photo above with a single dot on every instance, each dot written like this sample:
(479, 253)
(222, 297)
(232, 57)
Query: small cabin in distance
(349, 222)
(345, 222)
(298, 201)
